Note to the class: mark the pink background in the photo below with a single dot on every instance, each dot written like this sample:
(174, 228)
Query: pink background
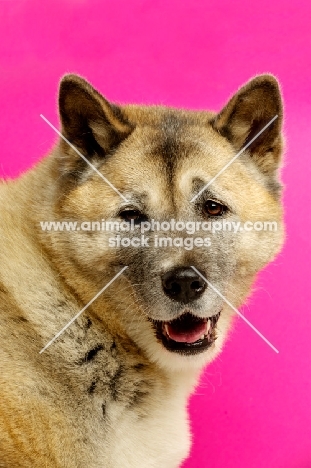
(253, 407)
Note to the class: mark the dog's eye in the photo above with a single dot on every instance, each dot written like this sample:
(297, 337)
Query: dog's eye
(212, 208)
(135, 215)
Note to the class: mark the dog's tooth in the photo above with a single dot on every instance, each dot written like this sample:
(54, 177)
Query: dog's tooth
(166, 329)
(202, 337)
(208, 328)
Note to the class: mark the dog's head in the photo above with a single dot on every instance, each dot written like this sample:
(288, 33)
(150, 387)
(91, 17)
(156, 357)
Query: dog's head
(163, 165)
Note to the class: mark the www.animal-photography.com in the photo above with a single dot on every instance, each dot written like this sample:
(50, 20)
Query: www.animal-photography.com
(154, 234)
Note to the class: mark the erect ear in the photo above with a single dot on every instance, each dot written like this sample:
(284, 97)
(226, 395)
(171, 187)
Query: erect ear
(89, 121)
(247, 113)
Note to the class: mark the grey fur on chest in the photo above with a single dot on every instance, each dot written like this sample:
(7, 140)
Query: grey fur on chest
(110, 369)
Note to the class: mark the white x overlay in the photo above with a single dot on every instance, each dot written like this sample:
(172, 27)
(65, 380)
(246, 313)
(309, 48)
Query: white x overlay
(193, 199)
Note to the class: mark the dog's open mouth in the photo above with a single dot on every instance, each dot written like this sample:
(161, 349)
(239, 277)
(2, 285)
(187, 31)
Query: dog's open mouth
(187, 334)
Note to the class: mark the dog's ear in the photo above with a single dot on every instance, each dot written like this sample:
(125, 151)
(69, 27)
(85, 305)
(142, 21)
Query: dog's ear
(247, 113)
(89, 122)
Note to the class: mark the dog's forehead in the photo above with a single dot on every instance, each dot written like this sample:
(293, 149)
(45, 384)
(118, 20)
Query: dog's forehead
(175, 140)
(165, 144)
(171, 136)
(170, 156)
(163, 151)
(184, 146)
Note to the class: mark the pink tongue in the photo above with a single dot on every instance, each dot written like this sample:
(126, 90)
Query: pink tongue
(187, 336)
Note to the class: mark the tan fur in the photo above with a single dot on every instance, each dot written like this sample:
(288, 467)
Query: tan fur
(125, 406)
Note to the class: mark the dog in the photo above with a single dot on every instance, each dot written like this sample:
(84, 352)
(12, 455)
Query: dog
(102, 342)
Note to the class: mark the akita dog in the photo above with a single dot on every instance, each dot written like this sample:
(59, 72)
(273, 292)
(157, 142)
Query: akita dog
(102, 345)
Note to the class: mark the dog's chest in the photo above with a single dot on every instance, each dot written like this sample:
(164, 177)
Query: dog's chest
(151, 434)
(132, 415)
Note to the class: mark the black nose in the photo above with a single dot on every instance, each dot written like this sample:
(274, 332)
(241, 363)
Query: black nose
(183, 284)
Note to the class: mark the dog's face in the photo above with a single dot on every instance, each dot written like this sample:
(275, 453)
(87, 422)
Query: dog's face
(176, 294)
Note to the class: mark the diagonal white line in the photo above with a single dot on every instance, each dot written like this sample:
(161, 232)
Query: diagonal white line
(234, 158)
(83, 157)
(82, 310)
(236, 310)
